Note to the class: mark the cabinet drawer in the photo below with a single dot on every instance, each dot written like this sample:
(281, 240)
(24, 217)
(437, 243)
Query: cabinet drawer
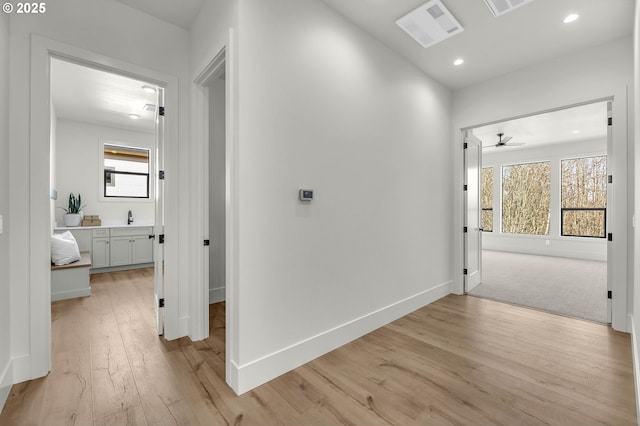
(100, 233)
(123, 232)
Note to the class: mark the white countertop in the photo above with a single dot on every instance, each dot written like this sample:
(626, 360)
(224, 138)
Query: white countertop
(106, 225)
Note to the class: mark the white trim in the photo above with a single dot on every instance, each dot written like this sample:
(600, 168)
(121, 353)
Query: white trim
(255, 373)
(6, 381)
(183, 325)
(217, 295)
(42, 49)
(21, 368)
(636, 362)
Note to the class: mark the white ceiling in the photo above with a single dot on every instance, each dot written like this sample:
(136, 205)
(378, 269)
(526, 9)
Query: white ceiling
(177, 12)
(491, 46)
(88, 95)
(589, 121)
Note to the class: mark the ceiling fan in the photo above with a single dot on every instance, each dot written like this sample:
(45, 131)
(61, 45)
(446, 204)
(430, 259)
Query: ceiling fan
(504, 142)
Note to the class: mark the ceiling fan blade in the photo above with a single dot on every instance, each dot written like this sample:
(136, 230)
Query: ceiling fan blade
(505, 140)
(517, 144)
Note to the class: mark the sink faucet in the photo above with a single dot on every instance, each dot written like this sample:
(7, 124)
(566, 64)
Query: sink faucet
(130, 218)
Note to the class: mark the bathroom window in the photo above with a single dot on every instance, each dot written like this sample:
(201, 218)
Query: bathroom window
(126, 172)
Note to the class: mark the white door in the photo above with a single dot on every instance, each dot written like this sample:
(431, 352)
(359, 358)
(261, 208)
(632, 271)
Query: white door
(609, 214)
(473, 234)
(158, 230)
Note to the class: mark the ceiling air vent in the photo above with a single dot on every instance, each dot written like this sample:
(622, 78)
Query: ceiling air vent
(430, 23)
(499, 7)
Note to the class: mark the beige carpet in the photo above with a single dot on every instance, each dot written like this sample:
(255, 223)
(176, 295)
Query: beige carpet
(577, 288)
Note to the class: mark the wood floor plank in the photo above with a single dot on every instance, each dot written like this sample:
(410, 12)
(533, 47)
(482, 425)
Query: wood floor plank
(459, 361)
(68, 397)
(24, 404)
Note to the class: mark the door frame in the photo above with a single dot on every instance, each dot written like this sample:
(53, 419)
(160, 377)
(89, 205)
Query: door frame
(617, 259)
(224, 60)
(216, 68)
(38, 362)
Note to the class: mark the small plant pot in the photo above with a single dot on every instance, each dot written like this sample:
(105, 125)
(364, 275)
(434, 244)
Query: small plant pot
(72, 219)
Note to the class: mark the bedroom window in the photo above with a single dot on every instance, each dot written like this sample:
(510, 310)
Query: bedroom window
(126, 172)
(487, 199)
(584, 197)
(526, 198)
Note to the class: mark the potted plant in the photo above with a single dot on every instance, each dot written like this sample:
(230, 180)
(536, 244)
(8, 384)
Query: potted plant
(73, 216)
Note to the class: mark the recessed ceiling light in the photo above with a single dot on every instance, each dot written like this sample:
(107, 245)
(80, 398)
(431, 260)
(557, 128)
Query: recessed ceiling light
(458, 61)
(570, 18)
(134, 116)
(575, 132)
(149, 89)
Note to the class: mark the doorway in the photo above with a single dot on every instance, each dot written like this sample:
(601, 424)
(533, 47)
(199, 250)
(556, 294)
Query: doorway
(212, 90)
(107, 149)
(544, 208)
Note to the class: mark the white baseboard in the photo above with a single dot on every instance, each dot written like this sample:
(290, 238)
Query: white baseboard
(70, 294)
(183, 326)
(217, 295)
(245, 377)
(21, 368)
(636, 363)
(6, 381)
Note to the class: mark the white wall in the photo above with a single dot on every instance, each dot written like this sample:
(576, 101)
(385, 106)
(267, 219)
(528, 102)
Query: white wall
(584, 76)
(78, 168)
(324, 106)
(635, 325)
(217, 188)
(552, 244)
(53, 148)
(123, 35)
(6, 371)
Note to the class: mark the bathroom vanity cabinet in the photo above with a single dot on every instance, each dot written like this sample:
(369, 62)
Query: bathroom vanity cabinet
(115, 247)
(130, 246)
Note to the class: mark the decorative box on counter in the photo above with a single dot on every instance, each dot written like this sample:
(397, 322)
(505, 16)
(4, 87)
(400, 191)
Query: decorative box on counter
(91, 220)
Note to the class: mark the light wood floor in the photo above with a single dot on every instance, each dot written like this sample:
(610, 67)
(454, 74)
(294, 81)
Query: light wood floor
(461, 360)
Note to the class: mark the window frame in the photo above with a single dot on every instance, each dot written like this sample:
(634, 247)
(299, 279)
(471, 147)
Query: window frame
(564, 209)
(502, 166)
(102, 173)
(490, 209)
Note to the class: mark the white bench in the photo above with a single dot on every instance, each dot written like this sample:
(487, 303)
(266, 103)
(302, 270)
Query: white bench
(72, 280)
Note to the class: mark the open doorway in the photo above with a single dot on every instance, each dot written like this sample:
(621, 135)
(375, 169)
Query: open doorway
(106, 149)
(212, 91)
(217, 184)
(543, 209)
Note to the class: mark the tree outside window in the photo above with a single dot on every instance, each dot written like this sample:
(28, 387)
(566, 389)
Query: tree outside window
(584, 197)
(487, 199)
(526, 198)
